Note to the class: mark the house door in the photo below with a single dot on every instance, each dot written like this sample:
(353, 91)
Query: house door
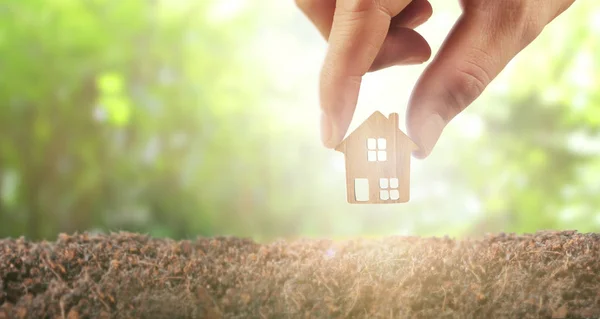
(361, 189)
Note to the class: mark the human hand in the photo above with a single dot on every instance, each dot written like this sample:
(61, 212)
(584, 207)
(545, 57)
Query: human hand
(369, 35)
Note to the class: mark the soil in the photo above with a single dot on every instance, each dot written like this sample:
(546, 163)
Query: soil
(542, 275)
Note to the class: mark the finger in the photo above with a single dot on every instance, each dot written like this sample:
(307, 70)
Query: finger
(320, 13)
(402, 46)
(357, 34)
(475, 52)
(414, 15)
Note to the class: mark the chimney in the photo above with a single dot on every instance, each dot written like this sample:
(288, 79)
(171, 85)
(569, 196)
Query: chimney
(395, 118)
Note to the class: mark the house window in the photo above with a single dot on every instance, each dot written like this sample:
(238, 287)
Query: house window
(361, 189)
(388, 189)
(376, 149)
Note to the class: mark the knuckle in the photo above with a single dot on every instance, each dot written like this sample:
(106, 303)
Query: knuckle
(522, 19)
(361, 6)
(514, 5)
(358, 5)
(526, 19)
(468, 83)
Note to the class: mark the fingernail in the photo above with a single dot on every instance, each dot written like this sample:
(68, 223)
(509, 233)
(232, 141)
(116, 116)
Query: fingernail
(331, 135)
(413, 60)
(378, 65)
(326, 129)
(428, 134)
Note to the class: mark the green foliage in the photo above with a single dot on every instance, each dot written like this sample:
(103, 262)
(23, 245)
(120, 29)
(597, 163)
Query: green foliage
(154, 116)
(540, 134)
(106, 121)
(113, 99)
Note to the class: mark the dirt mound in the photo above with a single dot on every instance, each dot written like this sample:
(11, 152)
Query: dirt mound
(545, 275)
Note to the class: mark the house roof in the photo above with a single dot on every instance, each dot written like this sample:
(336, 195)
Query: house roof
(376, 117)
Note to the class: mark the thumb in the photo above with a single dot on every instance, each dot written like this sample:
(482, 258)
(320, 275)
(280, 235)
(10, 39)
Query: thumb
(477, 49)
(357, 35)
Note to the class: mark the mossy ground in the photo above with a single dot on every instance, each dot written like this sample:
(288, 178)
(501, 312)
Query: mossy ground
(543, 275)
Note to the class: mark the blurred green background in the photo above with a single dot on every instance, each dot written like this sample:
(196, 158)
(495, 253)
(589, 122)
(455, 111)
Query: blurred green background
(200, 118)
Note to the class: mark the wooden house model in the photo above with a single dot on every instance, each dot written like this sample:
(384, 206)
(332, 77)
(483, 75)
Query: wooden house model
(377, 156)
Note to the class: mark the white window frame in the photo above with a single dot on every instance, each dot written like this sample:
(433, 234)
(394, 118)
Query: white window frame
(361, 189)
(376, 149)
(388, 188)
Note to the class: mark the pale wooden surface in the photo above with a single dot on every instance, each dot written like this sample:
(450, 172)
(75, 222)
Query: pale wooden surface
(397, 165)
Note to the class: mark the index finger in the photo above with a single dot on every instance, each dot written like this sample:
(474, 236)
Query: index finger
(357, 34)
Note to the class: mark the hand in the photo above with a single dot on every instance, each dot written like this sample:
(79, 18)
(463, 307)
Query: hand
(368, 35)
